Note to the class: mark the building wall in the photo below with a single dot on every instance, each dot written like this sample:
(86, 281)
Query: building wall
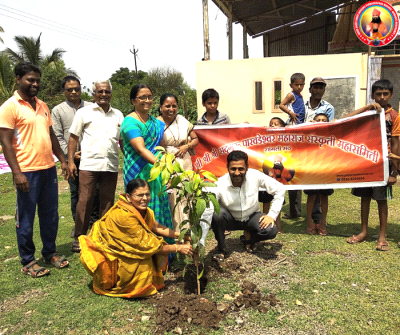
(235, 81)
(391, 71)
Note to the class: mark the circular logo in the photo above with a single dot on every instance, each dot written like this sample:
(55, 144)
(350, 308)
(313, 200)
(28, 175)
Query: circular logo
(376, 23)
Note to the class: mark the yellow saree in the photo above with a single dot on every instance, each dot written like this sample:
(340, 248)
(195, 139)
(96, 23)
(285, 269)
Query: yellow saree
(120, 253)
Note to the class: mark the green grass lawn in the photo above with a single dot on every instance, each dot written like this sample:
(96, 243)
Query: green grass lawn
(324, 286)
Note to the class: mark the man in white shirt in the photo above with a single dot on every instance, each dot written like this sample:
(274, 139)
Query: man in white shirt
(237, 194)
(99, 127)
(63, 115)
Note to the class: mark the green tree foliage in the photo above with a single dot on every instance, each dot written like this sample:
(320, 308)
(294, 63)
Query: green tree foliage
(7, 78)
(120, 98)
(50, 89)
(168, 80)
(1, 31)
(52, 66)
(86, 94)
(29, 50)
(124, 77)
(188, 94)
(161, 80)
(165, 79)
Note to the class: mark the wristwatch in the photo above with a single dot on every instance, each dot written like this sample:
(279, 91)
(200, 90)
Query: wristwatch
(393, 173)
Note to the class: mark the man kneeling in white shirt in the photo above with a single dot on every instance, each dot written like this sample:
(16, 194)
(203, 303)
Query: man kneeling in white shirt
(237, 194)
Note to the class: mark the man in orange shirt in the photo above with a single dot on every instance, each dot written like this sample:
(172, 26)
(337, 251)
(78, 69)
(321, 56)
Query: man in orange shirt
(28, 143)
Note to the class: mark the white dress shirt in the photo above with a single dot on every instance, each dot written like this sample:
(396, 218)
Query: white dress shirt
(242, 201)
(100, 133)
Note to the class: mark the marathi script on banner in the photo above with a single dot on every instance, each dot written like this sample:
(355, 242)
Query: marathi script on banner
(340, 154)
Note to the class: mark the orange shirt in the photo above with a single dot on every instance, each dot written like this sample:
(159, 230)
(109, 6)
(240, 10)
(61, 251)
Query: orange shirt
(31, 142)
(392, 124)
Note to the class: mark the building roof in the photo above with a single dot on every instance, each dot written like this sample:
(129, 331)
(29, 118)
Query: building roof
(265, 16)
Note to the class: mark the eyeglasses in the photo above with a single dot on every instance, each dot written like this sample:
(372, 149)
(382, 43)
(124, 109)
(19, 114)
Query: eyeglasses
(141, 195)
(70, 90)
(103, 92)
(145, 97)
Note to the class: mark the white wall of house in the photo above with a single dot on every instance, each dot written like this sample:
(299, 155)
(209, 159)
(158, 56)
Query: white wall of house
(235, 82)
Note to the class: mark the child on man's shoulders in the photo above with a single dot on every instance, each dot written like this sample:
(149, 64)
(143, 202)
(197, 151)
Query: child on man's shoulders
(293, 103)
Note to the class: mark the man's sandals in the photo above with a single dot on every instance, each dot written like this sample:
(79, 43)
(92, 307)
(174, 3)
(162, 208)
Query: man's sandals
(382, 246)
(355, 240)
(35, 273)
(59, 262)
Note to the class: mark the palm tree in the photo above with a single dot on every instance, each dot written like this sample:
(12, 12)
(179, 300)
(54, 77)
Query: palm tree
(52, 66)
(7, 78)
(29, 51)
(1, 31)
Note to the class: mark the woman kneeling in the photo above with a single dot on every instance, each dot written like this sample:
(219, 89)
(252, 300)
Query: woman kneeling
(123, 252)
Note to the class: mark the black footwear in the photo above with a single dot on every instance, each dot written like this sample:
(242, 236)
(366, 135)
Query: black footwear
(218, 257)
(248, 246)
(75, 246)
(288, 216)
(244, 241)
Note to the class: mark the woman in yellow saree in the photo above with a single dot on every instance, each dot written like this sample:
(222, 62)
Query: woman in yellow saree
(124, 251)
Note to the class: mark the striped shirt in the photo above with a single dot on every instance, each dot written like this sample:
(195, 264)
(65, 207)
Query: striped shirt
(220, 118)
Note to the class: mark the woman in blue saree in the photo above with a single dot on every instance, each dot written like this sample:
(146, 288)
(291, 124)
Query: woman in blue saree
(141, 133)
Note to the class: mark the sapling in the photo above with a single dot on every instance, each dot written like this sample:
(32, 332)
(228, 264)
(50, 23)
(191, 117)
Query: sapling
(192, 193)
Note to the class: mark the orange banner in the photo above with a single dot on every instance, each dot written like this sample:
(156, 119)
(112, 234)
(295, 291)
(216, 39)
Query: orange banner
(350, 152)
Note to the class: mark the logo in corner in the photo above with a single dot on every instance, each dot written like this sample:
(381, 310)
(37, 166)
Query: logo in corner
(376, 23)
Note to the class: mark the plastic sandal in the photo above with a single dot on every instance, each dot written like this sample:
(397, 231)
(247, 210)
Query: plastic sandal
(35, 273)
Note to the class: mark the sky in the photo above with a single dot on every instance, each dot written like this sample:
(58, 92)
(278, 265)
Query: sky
(98, 36)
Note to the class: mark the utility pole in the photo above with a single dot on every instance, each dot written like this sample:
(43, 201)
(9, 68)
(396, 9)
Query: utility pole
(205, 31)
(134, 52)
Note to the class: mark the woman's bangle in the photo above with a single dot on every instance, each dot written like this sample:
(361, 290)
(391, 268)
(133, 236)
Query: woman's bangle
(17, 170)
(176, 248)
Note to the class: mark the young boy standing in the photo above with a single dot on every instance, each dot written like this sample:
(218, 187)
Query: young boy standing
(382, 91)
(319, 228)
(212, 116)
(293, 104)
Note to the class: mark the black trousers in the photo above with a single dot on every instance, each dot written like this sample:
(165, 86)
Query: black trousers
(225, 221)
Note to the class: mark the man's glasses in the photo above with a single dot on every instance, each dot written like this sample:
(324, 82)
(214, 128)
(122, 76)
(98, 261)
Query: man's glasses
(70, 90)
(103, 92)
(142, 195)
(145, 97)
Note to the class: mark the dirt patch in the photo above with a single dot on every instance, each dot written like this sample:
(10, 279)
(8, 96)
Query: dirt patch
(330, 251)
(179, 309)
(179, 312)
(5, 218)
(63, 186)
(16, 302)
